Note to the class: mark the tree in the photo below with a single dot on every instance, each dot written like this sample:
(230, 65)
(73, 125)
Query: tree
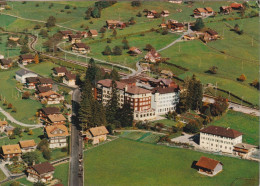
(25, 49)
(164, 32)
(236, 28)
(112, 106)
(114, 33)
(14, 109)
(199, 24)
(30, 158)
(88, 14)
(126, 115)
(67, 7)
(192, 127)
(242, 77)
(36, 27)
(102, 30)
(36, 58)
(42, 144)
(11, 44)
(255, 84)
(43, 33)
(136, 3)
(39, 183)
(30, 132)
(17, 131)
(46, 154)
(51, 21)
(139, 14)
(149, 47)
(219, 106)
(15, 183)
(194, 93)
(117, 50)
(26, 95)
(114, 75)
(126, 46)
(213, 69)
(9, 106)
(96, 12)
(92, 72)
(107, 51)
(132, 21)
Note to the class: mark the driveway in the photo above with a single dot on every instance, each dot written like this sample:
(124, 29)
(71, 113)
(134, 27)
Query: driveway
(188, 139)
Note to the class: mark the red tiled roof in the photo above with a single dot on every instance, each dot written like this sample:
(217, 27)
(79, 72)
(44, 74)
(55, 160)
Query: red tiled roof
(81, 45)
(236, 5)
(164, 90)
(207, 163)
(221, 131)
(27, 56)
(60, 69)
(45, 81)
(43, 168)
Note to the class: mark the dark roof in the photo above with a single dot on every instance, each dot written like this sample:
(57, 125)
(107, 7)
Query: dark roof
(45, 81)
(27, 56)
(70, 76)
(5, 61)
(212, 32)
(43, 89)
(222, 131)
(43, 168)
(76, 36)
(3, 3)
(32, 79)
(81, 45)
(60, 69)
(129, 81)
(164, 90)
(51, 110)
(207, 163)
(66, 32)
(23, 72)
(178, 24)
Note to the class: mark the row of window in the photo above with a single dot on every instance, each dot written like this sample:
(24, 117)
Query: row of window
(219, 141)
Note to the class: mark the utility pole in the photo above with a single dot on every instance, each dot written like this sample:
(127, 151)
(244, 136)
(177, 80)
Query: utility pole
(216, 89)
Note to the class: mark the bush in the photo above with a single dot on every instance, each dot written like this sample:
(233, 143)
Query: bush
(37, 26)
(17, 131)
(26, 95)
(46, 154)
(67, 7)
(62, 10)
(165, 32)
(12, 136)
(7, 7)
(30, 132)
(43, 145)
(9, 106)
(26, 129)
(64, 149)
(242, 77)
(109, 40)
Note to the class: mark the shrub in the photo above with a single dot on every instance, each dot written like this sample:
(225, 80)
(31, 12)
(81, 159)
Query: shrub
(37, 26)
(64, 149)
(14, 109)
(62, 10)
(67, 7)
(26, 129)
(46, 154)
(242, 77)
(30, 132)
(37, 5)
(9, 106)
(12, 136)
(165, 32)
(26, 95)
(7, 7)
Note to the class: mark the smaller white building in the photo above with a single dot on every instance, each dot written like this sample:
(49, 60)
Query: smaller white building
(69, 79)
(22, 74)
(97, 134)
(27, 146)
(219, 139)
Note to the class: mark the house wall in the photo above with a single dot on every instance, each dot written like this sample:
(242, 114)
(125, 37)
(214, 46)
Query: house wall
(218, 143)
(69, 82)
(217, 169)
(98, 139)
(30, 149)
(22, 79)
(57, 142)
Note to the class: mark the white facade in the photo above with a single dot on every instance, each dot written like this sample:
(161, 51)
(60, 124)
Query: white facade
(71, 82)
(22, 79)
(57, 142)
(163, 103)
(216, 143)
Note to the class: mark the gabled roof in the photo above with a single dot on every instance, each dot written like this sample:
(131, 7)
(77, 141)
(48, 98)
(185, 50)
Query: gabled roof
(93, 32)
(81, 45)
(236, 5)
(200, 9)
(97, 131)
(60, 69)
(5, 61)
(43, 168)
(245, 146)
(75, 36)
(136, 90)
(50, 110)
(221, 131)
(66, 32)
(43, 89)
(70, 76)
(45, 81)
(209, 9)
(27, 143)
(11, 149)
(212, 32)
(107, 83)
(207, 163)
(49, 93)
(22, 72)
(112, 22)
(27, 56)
(166, 11)
(56, 118)
(56, 131)
(32, 79)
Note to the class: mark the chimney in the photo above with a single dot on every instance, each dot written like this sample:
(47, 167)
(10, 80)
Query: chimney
(126, 88)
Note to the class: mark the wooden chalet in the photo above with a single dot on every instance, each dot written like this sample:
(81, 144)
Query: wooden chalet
(57, 135)
(69, 79)
(96, 134)
(40, 89)
(6, 63)
(81, 48)
(45, 82)
(112, 24)
(27, 146)
(177, 27)
(75, 38)
(92, 33)
(46, 111)
(225, 10)
(152, 56)
(42, 172)
(31, 82)
(26, 59)
(236, 6)
(203, 12)
(165, 13)
(243, 150)
(10, 151)
(210, 35)
(55, 119)
(65, 34)
(133, 51)
(190, 36)
(209, 167)
(59, 71)
(151, 13)
(50, 97)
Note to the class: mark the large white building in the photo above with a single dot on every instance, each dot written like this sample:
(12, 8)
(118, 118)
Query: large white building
(165, 99)
(219, 139)
(22, 74)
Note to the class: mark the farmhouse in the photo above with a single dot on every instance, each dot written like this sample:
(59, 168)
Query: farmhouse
(65, 34)
(97, 134)
(27, 145)
(178, 27)
(46, 111)
(6, 63)
(50, 97)
(59, 71)
(152, 56)
(25, 59)
(56, 119)
(210, 35)
(45, 82)
(57, 135)
(151, 13)
(190, 36)
(75, 38)
(225, 10)
(112, 24)
(165, 13)
(40, 172)
(203, 12)
(133, 51)
(209, 166)
(22, 74)
(92, 33)
(9, 151)
(41, 89)
(236, 6)
(3, 4)
(31, 82)
(81, 48)
(244, 150)
(219, 139)
(3, 125)
(69, 79)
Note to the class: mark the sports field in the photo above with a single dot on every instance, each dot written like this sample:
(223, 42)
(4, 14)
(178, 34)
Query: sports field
(127, 162)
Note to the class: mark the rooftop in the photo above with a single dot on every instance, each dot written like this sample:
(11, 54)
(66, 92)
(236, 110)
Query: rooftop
(207, 163)
(221, 131)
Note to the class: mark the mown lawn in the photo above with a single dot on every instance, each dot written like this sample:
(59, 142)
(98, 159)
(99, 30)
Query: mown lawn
(126, 162)
(7, 51)
(2, 175)
(26, 109)
(247, 124)
(44, 68)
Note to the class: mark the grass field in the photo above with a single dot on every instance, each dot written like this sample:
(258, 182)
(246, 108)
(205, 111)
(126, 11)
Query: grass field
(126, 162)
(2, 175)
(44, 68)
(26, 109)
(147, 137)
(248, 125)
(7, 51)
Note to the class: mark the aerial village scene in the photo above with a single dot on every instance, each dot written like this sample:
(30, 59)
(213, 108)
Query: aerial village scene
(100, 93)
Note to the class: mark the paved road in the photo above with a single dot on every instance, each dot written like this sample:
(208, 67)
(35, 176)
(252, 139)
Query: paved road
(76, 143)
(236, 107)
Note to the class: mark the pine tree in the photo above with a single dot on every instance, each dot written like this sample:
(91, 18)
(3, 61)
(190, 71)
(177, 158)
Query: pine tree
(117, 50)
(199, 24)
(107, 51)
(126, 115)
(114, 75)
(96, 13)
(194, 94)
(112, 106)
(36, 59)
(92, 70)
